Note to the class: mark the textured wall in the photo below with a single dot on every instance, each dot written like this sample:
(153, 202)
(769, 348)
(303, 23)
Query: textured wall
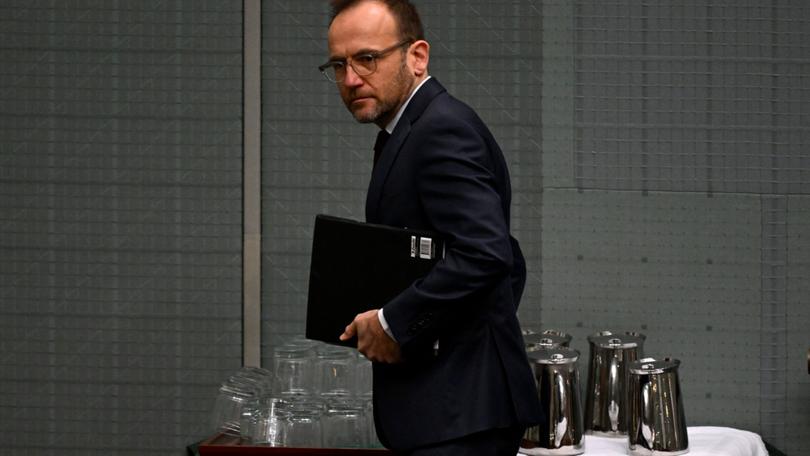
(659, 166)
(120, 222)
(659, 173)
(690, 133)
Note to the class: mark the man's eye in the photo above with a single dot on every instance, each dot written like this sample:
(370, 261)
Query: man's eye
(337, 66)
(365, 59)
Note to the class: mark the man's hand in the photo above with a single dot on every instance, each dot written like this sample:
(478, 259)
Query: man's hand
(372, 341)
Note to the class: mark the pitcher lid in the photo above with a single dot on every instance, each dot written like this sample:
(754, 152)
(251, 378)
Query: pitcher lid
(547, 339)
(611, 339)
(646, 366)
(555, 355)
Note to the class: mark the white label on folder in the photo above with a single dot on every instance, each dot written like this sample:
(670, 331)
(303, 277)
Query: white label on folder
(413, 246)
(425, 248)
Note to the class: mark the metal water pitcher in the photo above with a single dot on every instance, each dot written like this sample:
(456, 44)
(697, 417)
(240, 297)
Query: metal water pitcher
(606, 405)
(549, 338)
(557, 377)
(657, 423)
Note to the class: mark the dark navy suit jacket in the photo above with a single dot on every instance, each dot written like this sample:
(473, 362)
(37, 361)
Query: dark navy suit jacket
(442, 170)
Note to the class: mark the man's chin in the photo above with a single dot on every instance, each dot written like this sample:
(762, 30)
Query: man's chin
(364, 116)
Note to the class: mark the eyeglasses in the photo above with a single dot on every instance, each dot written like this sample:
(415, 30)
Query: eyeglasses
(363, 64)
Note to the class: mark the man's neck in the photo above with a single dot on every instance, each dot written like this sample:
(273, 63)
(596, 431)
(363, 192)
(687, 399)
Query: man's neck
(391, 124)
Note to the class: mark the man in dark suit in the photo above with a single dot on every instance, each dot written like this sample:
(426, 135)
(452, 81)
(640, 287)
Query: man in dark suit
(450, 369)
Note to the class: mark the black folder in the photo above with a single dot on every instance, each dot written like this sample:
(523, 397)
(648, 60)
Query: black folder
(359, 266)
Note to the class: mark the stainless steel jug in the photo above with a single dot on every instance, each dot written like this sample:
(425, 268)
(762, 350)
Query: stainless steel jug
(606, 404)
(657, 423)
(557, 377)
(549, 338)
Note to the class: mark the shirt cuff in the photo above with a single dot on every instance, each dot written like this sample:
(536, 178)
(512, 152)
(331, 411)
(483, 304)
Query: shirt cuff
(384, 324)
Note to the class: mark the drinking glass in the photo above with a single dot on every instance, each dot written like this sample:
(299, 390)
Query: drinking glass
(364, 377)
(231, 399)
(335, 371)
(293, 370)
(261, 378)
(270, 425)
(249, 416)
(304, 428)
(344, 427)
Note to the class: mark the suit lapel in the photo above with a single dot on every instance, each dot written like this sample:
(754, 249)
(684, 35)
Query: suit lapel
(416, 107)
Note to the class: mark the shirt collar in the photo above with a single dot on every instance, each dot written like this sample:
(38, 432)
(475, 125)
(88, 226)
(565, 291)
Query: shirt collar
(391, 125)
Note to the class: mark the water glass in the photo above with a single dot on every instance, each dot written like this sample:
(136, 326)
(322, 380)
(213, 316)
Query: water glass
(293, 370)
(250, 413)
(270, 424)
(371, 432)
(364, 377)
(231, 399)
(344, 426)
(261, 378)
(335, 371)
(304, 428)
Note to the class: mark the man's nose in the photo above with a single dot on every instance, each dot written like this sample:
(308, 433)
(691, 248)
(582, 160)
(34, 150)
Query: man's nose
(352, 79)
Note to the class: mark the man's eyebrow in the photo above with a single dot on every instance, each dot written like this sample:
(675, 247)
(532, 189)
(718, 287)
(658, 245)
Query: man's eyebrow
(366, 51)
(334, 58)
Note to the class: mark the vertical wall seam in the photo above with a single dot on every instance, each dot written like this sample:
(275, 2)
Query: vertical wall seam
(773, 339)
(251, 241)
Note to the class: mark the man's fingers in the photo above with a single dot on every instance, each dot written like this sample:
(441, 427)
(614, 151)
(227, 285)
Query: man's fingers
(372, 341)
(351, 328)
(349, 332)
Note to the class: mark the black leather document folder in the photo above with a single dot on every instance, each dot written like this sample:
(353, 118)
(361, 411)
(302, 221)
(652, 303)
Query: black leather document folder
(359, 266)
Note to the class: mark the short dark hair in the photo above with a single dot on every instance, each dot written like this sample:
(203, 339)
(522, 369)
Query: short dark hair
(404, 12)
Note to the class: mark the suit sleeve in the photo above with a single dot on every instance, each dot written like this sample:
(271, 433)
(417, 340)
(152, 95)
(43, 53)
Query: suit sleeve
(459, 186)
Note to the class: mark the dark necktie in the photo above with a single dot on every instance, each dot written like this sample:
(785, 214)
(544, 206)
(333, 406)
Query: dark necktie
(379, 144)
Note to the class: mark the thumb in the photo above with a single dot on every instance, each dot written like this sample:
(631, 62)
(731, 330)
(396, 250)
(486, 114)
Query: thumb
(349, 332)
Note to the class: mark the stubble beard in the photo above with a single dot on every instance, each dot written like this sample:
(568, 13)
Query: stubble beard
(385, 107)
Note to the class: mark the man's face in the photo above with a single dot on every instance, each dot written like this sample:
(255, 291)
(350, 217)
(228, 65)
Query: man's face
(370, 27)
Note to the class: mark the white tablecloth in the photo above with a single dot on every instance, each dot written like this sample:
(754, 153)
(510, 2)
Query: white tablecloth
(703, 441)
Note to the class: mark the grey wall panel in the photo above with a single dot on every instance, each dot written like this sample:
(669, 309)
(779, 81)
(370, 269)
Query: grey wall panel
(773, 316)
(558, 89)
(692, 97)
(705, 97)
(120, 234)
(797, 321)
(120, 192)
(653, 151)
(315, 159)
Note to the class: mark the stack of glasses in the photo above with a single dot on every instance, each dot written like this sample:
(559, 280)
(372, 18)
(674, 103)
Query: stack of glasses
(316, 396)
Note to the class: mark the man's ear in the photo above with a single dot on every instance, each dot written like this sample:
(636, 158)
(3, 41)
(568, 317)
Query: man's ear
(418, 57)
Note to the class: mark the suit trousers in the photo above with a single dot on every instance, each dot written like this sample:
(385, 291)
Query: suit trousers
(492, 442)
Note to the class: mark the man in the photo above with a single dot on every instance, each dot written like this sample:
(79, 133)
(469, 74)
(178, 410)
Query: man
(450, 370)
